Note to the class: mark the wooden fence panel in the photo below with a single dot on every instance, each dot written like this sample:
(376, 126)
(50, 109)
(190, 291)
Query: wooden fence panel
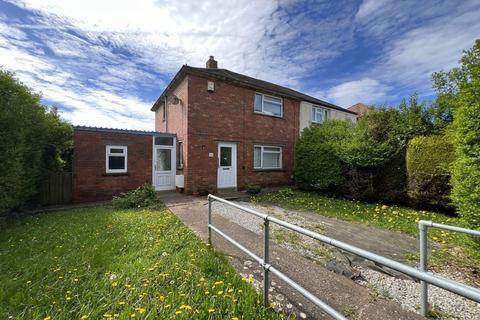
(57, 189)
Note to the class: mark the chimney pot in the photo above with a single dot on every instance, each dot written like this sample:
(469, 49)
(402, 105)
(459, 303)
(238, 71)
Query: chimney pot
(212, 63)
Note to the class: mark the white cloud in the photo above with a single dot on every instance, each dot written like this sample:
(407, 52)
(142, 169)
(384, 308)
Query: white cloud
(366, 90)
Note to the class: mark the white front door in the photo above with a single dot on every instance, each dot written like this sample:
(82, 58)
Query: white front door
(227, 165)
(164, 168)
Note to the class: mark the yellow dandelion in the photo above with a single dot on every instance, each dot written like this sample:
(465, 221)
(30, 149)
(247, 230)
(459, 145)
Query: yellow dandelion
(121, 303)
(178, 312)
(84, 317)
(186, 307)
(114, 284)
(47, 318)
(220, 292)
(211, 310)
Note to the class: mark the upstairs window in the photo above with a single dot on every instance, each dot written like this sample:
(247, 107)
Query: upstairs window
(319, 115)
(267, 157)
(269, 105)
(116, 159)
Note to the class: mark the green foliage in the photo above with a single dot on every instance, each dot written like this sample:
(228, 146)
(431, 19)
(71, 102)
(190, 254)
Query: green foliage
(32, 140)
(316, 161)
(466, 127)
(429, 161)
(144, 196)
(102, 263)
(373, 140)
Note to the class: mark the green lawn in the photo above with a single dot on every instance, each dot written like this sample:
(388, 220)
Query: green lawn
(457, 248)
(104, 263)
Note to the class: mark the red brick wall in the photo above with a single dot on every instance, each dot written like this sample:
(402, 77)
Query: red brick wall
(227, 115)
(176, 121)
(91, 182)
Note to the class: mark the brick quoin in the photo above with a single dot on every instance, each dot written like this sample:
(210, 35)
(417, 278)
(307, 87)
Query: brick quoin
(90, 180)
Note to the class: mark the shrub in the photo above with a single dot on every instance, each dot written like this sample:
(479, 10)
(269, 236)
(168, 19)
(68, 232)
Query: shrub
(466, 126)
(316, 160)
(32, 140)
(144, 196)
(253, 189)
(428, 168)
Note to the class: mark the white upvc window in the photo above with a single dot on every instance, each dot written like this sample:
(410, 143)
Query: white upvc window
(116, 159)
(269, 105)
(319, 115)
(267, 157)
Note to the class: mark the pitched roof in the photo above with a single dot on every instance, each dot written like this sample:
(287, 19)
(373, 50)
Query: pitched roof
(360, 108)
(240, 79)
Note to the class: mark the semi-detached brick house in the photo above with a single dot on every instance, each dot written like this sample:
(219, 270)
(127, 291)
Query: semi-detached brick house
(214, 129)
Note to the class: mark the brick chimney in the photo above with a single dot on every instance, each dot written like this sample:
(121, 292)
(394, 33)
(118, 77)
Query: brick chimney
(212, 63)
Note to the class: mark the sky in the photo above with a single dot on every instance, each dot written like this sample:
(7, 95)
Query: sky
(105, 62)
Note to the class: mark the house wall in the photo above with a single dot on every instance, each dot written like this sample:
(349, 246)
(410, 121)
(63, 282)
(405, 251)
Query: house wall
(306, 111)
(176, 121)
(90, 180)
(227, 115)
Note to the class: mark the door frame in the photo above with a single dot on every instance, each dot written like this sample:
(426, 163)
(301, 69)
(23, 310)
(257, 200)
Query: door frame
(233, 145)
(173, 149)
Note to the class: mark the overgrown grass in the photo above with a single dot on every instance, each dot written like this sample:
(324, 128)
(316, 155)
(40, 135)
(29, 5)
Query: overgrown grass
(456, 248)
(103, 263)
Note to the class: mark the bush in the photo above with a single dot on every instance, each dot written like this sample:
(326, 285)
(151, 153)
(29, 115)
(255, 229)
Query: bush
(466, 126)
(428, 168)
(316, 160)
(32, 140)
(144, 196)
(253, 189)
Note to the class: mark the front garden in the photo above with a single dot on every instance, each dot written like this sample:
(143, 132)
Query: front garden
(453, 248)
(117, 264)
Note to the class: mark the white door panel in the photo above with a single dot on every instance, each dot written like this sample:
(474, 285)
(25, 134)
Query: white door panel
(164, 168)
(227, 165)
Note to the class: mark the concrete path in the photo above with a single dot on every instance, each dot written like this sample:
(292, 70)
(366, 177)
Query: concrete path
(343, 294)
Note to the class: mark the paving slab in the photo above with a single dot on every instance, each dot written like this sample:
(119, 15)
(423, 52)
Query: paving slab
(343, 294)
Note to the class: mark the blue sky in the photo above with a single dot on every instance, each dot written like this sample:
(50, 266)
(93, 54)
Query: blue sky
(104, 62)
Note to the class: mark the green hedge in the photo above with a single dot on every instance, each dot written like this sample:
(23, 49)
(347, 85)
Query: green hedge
(429, 161)
(466, 124)
(316, 162)
(32, 141)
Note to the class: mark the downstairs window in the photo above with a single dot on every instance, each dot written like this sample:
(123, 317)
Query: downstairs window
(267, 157)
(116, 159)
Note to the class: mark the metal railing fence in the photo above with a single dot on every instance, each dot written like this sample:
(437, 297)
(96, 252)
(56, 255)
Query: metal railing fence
(423, 227)
(430, 278)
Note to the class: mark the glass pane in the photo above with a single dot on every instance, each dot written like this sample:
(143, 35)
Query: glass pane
(258, 102)
(273, 99)
(272, 108)
(325, 114)
(274, 149)
(116, 150)
(164, 159)
(225, 156)
(116, 163)
(257, 157)
(271, 160)
(164, 141)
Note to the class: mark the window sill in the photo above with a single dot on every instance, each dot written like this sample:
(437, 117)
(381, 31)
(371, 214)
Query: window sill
(268, 115)
(115, 174)
(269, 170)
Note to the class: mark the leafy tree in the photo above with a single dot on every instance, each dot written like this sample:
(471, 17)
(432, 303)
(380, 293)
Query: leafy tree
(32, 138)
(464, 82)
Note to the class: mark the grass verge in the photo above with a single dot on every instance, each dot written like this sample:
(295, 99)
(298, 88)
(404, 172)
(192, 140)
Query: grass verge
(125, 264)
(457, 248)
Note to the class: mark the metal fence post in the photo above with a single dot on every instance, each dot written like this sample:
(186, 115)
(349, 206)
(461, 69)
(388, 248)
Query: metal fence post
(266, 260)
(423, 268)
(209, 220)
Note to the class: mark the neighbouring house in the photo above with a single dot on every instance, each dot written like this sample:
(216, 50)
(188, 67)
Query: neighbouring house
(360, 109)
(214, 129)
